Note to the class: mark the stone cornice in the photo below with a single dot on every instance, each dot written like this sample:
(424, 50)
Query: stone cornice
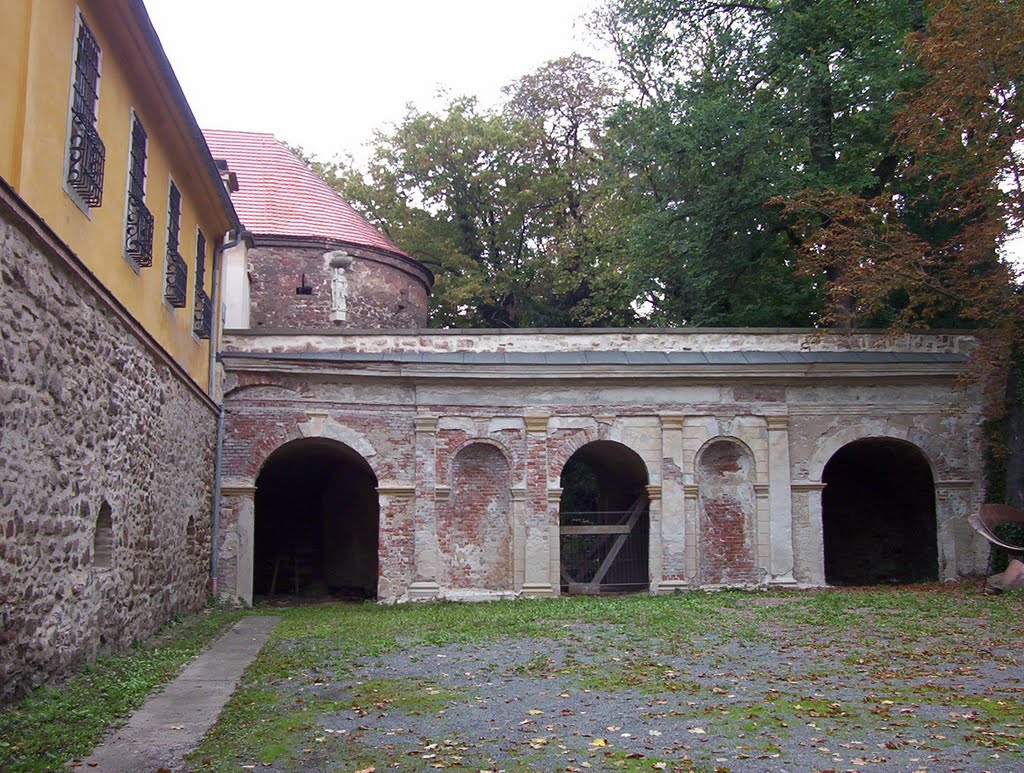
(237, 491)
(397, 490)
(537, 424)
(806, 485)
(955, 484)
(673, 421)
(425, 423)
(306, 363)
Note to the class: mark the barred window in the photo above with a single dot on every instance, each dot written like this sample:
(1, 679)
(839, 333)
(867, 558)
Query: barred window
(86, 152)
(138, 231)
(202, 318)
(177, 271)
(200, 260)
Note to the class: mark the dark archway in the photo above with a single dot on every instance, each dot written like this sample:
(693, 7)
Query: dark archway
(603, 520)
(878, 514)
(316, 522)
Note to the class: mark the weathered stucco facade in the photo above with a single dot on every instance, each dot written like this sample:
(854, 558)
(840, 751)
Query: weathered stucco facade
(106, 467)
(467, 433)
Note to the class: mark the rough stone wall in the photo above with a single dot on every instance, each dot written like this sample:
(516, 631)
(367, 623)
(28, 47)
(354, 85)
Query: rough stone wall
(474, 526)
(382, 290)
(90, 415)
(727, 513)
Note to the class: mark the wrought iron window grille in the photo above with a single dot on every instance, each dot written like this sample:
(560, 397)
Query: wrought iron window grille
(86, 151)
(200, 261)
(138, 238)
(177, 280)
(86, 160)
(202, 317)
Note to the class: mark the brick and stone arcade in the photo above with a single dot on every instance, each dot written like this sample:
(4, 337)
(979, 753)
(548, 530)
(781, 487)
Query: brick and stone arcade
(367, 455)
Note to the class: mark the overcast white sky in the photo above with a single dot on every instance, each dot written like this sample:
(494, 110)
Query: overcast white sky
(324, 74)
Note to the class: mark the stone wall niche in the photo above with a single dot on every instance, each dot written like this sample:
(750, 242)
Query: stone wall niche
(727, 505)
(474, 525)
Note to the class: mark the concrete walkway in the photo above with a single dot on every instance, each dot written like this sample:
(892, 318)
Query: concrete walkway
(171, 723)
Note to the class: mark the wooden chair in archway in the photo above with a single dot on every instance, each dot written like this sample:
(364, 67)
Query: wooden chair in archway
(985, 522)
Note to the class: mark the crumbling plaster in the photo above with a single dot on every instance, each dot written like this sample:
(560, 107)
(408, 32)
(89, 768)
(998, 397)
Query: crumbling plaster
(414, 422)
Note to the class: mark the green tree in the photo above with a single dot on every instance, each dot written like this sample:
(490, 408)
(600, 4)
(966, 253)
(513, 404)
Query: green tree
(931, 239)
(499, 204)
(734, 104)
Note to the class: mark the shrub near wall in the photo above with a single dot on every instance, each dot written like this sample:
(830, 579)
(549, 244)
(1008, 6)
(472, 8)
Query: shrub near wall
(106, 468)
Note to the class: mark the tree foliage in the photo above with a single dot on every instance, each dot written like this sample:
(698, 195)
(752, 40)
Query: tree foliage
(926, 246)
(499, 203)
(735, 104)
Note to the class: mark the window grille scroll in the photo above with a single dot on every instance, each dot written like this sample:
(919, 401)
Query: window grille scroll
(176, 278)
(202, 316)
(202, 321)
(138, 239)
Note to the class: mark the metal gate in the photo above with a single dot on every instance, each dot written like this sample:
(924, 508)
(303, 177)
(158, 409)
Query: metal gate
(605, 551)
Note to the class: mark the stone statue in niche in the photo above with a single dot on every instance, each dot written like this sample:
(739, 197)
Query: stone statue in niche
(338, 262)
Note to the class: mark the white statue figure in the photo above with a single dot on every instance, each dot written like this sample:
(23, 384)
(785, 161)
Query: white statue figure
(338, 262)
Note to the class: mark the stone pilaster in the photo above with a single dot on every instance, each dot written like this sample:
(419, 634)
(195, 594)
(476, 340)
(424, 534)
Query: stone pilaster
(780, 502)
(654, 549)
(425, 548)
(815, 537)
(672, 554)
(961, 549)
(396, 548)
(237, 541)
(691, 493)
(518, 538)
(538, 545)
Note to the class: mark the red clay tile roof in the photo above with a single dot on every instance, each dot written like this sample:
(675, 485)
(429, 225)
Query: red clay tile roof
(278, 195)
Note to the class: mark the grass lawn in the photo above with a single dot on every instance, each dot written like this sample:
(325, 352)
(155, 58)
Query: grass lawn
(52, 725)
(923, 678)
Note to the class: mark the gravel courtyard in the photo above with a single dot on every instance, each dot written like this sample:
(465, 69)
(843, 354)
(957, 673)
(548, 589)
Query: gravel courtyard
(926, 678)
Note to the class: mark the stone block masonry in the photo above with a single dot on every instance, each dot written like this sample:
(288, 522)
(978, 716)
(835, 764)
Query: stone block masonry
(106, 467)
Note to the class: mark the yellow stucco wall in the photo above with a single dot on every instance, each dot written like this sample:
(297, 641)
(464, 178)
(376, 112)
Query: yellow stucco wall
(37, 46)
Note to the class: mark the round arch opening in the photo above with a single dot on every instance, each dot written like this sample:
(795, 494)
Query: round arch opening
(878, 515)
(316, 522)
(604, 521)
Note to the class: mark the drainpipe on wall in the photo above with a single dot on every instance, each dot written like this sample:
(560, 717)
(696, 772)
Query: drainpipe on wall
(218, 252)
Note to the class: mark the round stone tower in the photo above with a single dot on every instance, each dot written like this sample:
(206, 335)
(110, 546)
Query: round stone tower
(313, 261)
